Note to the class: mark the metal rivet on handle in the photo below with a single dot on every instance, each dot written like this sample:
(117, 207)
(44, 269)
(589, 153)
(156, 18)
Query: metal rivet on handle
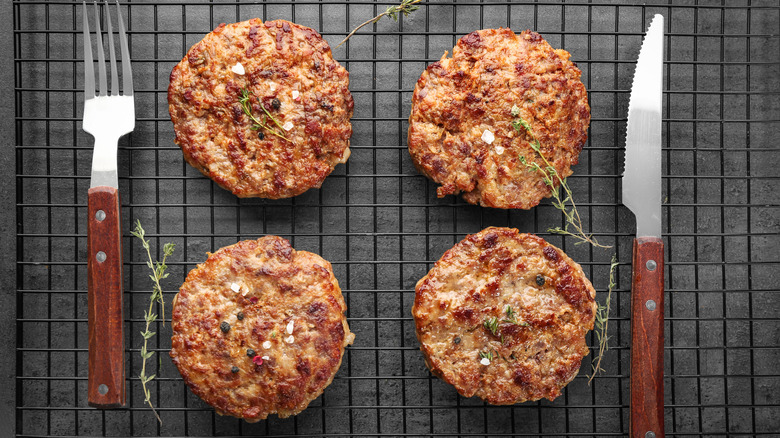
(651, 265)
(650, 434)
(100, 215)
(103, 389)
(101, 256)
(650, 304)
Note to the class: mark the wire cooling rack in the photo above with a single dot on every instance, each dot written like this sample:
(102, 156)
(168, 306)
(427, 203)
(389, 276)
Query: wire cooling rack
(380, 224)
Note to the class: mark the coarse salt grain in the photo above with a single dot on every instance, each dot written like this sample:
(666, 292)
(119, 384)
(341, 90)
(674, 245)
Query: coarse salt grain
(238, 69)
(267, 345)
(273, 87)
(235, 287)
(295, 94)
(290, 339)
(266, 357)
(485, 361)
(287, 126)
(499, 150)
(290, 326)
(488, 136)
(243, 294)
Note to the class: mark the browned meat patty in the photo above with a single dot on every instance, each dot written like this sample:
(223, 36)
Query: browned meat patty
(503, 316)
(259, 328)
(289, 71)
(460, 130)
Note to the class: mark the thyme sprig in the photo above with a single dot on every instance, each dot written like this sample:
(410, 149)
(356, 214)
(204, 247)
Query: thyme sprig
(489, 355)
(602, 322)
(511, 317)
(406, 7)
(491, 324)
(246, 105)
(553, 179)
(158, 273)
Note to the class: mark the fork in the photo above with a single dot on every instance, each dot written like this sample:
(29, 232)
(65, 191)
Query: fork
(107, 117)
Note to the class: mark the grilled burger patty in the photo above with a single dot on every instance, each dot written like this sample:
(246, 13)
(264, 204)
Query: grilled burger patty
(460, 129)
(503, 316)
(259, 328)
(286, 69)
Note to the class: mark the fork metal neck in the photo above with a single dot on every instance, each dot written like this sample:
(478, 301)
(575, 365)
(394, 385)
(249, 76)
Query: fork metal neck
(104, 171)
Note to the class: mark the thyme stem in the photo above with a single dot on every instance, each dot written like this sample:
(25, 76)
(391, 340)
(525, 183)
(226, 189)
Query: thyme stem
(602, 321)
(406, 7)
(553, 179)
(158, 273)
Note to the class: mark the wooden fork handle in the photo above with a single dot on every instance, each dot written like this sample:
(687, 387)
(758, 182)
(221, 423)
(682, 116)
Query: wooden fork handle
(647, 339)
(106, 383)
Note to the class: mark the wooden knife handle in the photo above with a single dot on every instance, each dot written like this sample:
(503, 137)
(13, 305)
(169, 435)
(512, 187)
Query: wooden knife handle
(106, 384)
(647, 339)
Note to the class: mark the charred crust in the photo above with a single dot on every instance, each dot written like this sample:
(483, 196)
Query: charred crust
(551, 253)
(472, 40)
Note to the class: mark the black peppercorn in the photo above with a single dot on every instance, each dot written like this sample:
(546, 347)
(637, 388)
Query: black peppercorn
(276, 104)
(250, 352)
(240, 316)
(234, 370)
(260, 135)
(540, 279)
(457, 340)
(225, 327)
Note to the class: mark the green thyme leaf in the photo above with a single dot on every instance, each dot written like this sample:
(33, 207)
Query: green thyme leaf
(492, 325)
(511, 317)
(486, 355)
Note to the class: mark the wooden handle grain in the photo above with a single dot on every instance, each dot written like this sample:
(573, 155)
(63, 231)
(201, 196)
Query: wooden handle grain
(106, 384)
(647, 339)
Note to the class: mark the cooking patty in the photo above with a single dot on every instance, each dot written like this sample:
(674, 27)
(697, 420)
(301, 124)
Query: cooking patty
(503, 316)
(259, 328)
(286, 69)
(460, 130)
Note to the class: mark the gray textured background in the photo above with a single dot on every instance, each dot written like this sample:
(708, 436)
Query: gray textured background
(382, 227)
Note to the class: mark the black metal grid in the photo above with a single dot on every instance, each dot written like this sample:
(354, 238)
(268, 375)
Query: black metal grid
(382, 227)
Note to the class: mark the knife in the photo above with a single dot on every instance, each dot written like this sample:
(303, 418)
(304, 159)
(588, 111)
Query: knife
(642, 195)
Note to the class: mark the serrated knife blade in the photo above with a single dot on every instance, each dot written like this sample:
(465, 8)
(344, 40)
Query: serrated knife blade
(642, 174)
(642, 195)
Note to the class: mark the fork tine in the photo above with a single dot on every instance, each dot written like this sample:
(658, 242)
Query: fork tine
(112, 55)
(127, 73)
(101, 55)
(89, 70)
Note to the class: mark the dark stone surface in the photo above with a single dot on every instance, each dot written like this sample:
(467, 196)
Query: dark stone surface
(7, 236)
(382, 227)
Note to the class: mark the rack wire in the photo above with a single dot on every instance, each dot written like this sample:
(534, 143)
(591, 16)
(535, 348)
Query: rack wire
(380, 224)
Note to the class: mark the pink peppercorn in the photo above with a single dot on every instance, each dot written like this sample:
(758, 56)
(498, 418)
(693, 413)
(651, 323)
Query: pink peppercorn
(257, 360)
